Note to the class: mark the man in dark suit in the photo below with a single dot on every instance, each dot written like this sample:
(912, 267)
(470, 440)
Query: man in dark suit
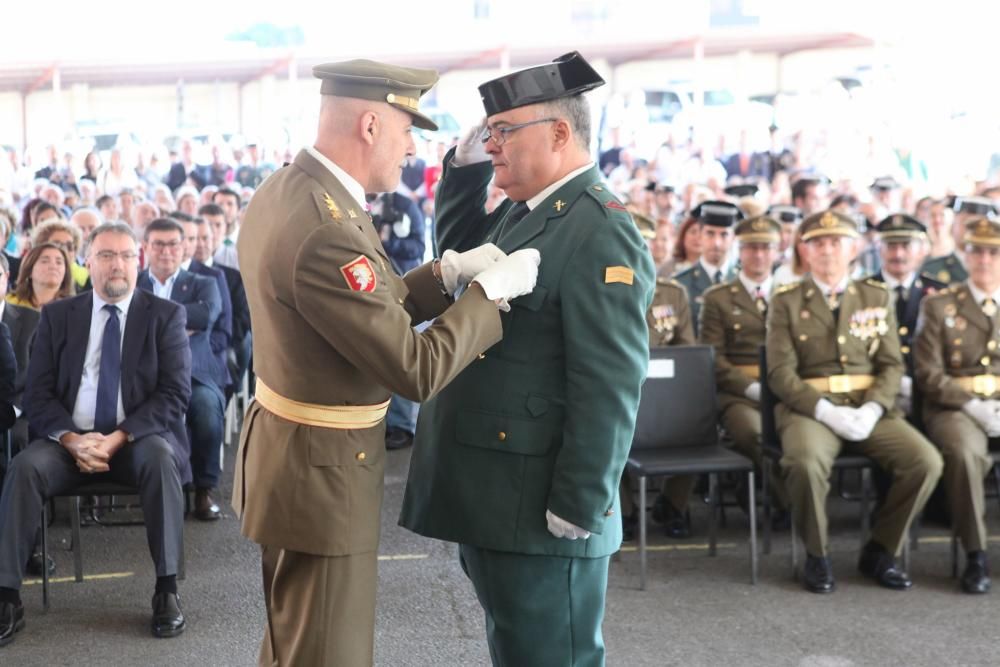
(22, 323)
(166, 279)
(746, 164)
(108, 382)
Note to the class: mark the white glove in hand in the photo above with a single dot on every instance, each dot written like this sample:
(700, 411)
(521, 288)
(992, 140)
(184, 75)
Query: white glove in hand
(512, 276)
(562, 528)
(985, 414)
(458, 269)
(841, 420)
(402, 228)
(867, 417)
(471, 148)
(906, 386)
(753, 392)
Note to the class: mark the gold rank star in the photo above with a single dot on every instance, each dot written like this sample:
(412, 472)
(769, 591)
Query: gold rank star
(559, 204)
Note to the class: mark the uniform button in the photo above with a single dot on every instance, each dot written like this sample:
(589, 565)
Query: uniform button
(905, 349)
(609, 513)
(992, 345)
(360, 456)
(903, 331)
(401, 301)
(841, 339)
(985, 361)
(957, 341)
(843, 358)
(482, 356)
(501, 436)
(803, 337)
(737, 326)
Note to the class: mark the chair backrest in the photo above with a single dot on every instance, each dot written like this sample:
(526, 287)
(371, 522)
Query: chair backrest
(768, 401)
(678, 407)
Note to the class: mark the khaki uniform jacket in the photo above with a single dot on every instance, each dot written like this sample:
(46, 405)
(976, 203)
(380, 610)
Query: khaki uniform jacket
(669, 317)
(318, 340)
(954, 338)
(804, 341)
(735, 327)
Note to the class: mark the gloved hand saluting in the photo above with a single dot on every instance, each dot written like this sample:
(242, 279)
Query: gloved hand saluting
(471, 148)
(512, 276)
(458, 269)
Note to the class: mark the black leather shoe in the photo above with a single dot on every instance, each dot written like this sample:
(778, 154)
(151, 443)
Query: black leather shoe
(630, 527)
(11, 621)
(205, 508)
(168, 620)
(676, 524)
(35, 564)
(976, 578)
(397, 438)
(880, 565)
(818, 575)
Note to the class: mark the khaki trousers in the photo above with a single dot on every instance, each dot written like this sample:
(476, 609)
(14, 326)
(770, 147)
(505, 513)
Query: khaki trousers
(320, 610)
(809, 451)
(965, 447)
(742, 423)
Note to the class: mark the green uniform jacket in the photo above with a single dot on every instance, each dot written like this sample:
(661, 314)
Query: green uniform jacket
(316, 340)
(735, 327)
(954, 338)
(696, 281)
(803, 341)
(948, 269)
(669, 316)
(545, 420)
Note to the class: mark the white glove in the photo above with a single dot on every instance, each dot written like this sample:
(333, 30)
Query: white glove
(753, 392)
(867, 417)
(471, 148)
(562, 528)
(512, 276)
(402, 228)
(906, 386)
(841, 420)
(458, 269)
(986, 414)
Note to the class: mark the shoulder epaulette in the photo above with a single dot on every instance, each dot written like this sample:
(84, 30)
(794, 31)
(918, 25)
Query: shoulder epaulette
(609, 203)
(716, 288)
(876, 283)
(788, 287)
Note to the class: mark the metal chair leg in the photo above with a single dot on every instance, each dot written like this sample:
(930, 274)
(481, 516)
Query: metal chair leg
(766, 498)
(753, 529)
(866, 480)
(954, 555)
(906, 554)
(713, 493)
(795, 544)
(45, 557)
(642, 533)
(77, 548)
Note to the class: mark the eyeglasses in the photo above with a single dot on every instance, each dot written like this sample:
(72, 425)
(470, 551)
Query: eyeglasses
(499, 134)
(165, 245)
(108, 256)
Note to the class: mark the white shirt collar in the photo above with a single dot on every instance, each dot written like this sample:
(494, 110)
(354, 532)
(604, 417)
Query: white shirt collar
(826, 289)
(892, 283)
(186, 264)
(209, 261)
(979, 295)
(709, 269)
(540, 197)
(166, 283)
(123, 305)
(751, 286)
(350, 184)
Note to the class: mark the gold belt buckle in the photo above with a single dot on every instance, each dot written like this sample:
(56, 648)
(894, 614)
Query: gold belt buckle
(984, 385)
(840, 384)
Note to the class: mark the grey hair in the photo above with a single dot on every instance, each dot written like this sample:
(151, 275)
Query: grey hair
(576, 111)
(110, 228)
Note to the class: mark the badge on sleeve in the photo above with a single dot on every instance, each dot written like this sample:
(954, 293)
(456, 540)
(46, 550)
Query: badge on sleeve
(359, 274)
(618, 274)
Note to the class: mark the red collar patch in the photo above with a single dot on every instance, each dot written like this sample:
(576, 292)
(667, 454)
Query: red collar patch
(615, 205)
(360, 275)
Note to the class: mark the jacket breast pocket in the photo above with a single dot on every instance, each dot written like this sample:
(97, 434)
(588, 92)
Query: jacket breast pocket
(503, 433)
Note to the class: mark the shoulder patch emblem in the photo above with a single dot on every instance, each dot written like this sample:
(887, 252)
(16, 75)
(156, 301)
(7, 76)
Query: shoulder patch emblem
(618, 274)
(617, 205)
(359, 274)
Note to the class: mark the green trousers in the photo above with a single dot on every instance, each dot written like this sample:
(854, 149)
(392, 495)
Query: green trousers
(543, 611)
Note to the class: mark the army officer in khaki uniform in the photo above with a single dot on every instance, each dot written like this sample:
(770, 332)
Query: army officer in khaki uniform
(733, 318)
(958, 371)
(333, 339)
(834, 363)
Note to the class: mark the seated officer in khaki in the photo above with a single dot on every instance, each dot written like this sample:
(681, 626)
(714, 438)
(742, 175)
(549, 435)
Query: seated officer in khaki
(669, 322)
(834, 363)
(733, 318)
(957, 372)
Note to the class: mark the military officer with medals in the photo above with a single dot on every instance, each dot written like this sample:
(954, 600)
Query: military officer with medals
(958, 372)
(733, 319)
(834, 363)
(519, 459)
(333, 339)
(902, 246)
(951, 268)
(715, 228)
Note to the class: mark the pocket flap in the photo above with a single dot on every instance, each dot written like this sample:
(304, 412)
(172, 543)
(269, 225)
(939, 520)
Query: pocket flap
(532, 301)
(504, 433)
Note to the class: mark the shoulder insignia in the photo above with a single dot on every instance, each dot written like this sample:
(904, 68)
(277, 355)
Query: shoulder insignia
(660, 280)
(332, 207)
(788, 287)
(618, 274)
(615, 204)
(876, 283)
(360, 275)
(716, 288)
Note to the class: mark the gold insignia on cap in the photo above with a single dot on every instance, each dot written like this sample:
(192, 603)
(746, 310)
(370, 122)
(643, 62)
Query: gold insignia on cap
(897, 221)
(618, 274)
(828, 220)
(760, 226)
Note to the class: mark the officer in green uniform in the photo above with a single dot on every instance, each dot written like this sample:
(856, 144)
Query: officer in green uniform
(519, 459)
(733, 319)
(669, 322)
(958, 372)
(951, 268)
(834, 363)
(715, 226)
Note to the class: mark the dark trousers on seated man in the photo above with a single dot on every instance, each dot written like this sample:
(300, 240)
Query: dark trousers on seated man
(205, 423)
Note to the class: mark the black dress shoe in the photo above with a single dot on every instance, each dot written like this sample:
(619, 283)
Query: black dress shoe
(880, 565)
(976, 578)
(168, 620)
(35, 564)
(630, 527)
(397, 438)
(205, 508)
(11, 621)
(818, 575)
(676, 524)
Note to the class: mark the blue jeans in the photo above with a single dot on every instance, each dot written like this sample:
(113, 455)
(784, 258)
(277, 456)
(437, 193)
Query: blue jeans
(205, 421)
(402, 414)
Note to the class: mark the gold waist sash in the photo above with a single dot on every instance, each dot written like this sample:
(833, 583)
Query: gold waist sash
(750, 370)
(984, 385)
(314, 414)
(840, 384)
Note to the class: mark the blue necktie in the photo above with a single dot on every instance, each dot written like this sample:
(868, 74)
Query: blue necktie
(106, 410)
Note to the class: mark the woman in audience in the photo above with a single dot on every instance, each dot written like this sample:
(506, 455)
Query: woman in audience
(43, 277)
(792, 271)
(687, 247)
(69, 238)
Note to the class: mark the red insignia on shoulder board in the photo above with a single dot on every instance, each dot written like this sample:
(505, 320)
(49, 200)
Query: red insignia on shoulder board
(615, 205)
(360, 275)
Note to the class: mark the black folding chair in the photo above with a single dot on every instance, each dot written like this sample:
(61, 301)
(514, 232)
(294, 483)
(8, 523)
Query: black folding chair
(676, 434)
